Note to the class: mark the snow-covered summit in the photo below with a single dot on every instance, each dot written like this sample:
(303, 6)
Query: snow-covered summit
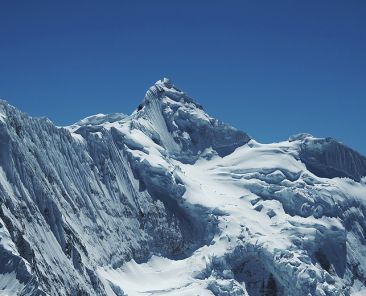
(165, 87)
(170, 201)
(181, 125)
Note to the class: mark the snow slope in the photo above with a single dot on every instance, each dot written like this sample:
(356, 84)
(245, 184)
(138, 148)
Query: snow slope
(169, 201)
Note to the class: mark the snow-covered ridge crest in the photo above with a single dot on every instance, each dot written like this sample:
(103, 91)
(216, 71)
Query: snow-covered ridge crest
(170, 201)
(326, 157)
(101, 119)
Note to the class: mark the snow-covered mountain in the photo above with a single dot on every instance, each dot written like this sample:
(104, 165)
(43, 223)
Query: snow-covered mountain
(169, 201)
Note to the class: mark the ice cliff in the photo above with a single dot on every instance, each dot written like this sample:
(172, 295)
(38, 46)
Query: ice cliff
(170, 201)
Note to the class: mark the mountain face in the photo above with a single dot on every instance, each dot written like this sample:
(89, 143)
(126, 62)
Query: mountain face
(328, 159)
(169, 201)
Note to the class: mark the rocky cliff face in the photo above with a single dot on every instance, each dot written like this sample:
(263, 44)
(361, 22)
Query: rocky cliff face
(85, 208)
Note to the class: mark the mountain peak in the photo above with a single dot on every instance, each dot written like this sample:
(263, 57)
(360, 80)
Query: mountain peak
(165, 82)
(182, 126)
(165, 88)
(115, 201)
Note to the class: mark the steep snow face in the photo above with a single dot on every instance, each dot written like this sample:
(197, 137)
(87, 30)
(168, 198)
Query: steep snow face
(94, 194)
(327, 158)
(169, 201)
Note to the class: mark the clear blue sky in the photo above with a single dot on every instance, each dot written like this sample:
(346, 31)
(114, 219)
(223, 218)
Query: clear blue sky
(270, 68)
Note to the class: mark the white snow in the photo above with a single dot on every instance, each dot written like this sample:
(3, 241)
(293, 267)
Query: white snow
(218, 184)
(9, 285)
(169, 201)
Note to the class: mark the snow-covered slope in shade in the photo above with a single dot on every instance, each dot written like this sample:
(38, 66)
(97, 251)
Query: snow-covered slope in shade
(169, 201)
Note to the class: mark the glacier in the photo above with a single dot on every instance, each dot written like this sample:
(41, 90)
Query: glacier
(170, 201)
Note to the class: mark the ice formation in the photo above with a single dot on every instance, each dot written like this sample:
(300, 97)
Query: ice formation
(169, 201)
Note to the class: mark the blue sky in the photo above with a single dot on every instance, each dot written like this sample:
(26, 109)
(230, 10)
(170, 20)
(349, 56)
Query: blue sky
(270, 68)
